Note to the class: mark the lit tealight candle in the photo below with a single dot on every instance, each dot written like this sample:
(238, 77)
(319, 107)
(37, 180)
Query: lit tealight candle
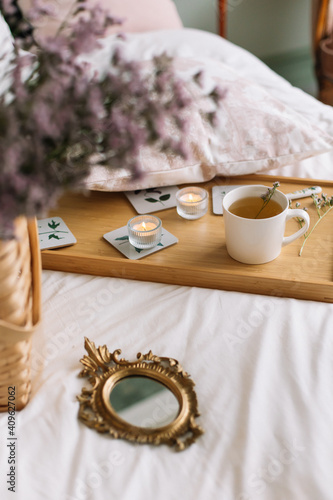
(191, 197)
(144, 231)
(144, 226)
(192, 202)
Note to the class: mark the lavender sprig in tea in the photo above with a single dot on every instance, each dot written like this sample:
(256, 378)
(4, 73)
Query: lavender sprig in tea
(267, 197)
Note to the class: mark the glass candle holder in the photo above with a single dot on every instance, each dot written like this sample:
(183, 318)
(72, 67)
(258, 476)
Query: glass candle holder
(144, 231)
(192, 202)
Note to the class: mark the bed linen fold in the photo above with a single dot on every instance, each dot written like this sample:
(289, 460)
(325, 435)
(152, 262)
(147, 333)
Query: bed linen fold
(264, 378)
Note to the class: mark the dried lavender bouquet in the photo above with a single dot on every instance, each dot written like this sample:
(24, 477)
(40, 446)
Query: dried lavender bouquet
(58, 118)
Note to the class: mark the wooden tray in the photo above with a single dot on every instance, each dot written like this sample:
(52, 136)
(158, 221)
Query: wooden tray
(200, 258)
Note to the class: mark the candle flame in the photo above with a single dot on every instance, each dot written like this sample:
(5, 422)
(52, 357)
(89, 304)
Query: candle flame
(144, 226)
(190, 197)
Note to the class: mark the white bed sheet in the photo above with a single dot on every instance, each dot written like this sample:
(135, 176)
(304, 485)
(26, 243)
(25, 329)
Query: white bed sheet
(263, 368)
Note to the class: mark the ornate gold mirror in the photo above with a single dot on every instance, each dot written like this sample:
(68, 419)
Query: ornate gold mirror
(150, 400)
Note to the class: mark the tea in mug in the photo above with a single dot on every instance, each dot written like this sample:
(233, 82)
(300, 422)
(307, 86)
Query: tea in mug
(250, 207)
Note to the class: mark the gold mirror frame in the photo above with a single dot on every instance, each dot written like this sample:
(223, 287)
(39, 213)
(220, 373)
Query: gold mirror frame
(104, 370)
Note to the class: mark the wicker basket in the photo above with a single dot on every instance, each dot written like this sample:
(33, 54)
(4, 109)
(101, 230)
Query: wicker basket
(20, 306)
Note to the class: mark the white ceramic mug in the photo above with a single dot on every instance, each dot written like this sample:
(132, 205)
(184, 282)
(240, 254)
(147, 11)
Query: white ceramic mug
(256, 241)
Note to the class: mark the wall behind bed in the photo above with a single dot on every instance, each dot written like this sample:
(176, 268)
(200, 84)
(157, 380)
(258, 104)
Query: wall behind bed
(278, 32)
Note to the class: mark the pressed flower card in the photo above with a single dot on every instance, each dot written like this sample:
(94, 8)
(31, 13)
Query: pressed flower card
(218, 193)
(119, 239)
(54, 233)
(150, 200)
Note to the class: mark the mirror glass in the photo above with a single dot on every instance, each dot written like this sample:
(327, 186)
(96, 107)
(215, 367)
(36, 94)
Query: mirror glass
(144, 402)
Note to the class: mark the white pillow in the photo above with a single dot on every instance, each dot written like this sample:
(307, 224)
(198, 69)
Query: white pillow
(256, 133)
(6, 54)
(5, 33)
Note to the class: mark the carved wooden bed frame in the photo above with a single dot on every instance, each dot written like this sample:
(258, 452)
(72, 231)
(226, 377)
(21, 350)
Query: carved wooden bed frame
(222, 5)
(322, 43)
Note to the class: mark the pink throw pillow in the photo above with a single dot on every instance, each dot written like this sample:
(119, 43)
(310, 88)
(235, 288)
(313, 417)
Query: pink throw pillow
(137, 15)
(142, 15)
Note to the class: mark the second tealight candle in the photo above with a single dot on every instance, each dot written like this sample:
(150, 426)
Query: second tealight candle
(192, 202)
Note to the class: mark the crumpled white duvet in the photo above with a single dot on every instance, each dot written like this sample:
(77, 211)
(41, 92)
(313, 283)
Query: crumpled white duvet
(264, 381)
(263, 368)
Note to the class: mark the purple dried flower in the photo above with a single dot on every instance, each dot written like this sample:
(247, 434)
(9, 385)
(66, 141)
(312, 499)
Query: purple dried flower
(9, 7)
(268, 196)
(62, 117)
(324, 205)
